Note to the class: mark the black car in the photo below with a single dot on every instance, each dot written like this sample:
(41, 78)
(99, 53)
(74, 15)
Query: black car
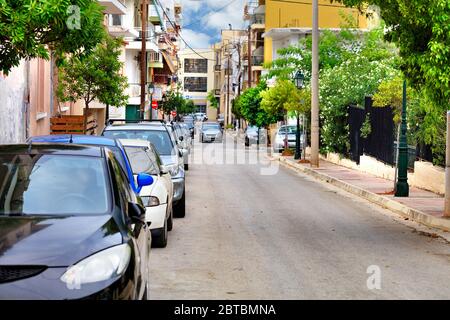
(71, 226)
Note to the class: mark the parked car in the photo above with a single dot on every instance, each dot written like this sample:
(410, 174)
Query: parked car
(278, 144)
(187, 133)
(190, 122)
(157, 198)
(114, 145)
(182, 141)
(201, 116)
(221, 119)
(159, 135)
(251, 135)
(211, 132)
(71, 227)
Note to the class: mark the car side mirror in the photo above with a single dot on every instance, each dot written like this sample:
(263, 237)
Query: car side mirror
(182, 152)
(136, 211)
(144, 179)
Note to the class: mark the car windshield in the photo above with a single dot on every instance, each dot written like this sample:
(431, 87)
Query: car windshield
(52, 185)
(290, 130)
(252, 129)
(212, 126)
(140, 161)
(160, 138)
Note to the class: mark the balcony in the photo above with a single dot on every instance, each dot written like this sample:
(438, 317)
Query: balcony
(257, 61)
(121, 31)
(113, 6)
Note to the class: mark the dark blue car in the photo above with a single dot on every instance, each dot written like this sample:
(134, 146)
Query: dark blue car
(114, 145)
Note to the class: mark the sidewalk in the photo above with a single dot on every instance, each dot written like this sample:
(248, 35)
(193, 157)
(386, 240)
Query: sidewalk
(422, 206)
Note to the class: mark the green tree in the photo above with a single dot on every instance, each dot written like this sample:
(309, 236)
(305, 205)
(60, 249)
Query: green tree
(174, 101)
(29, 29)
(95, 76)
(249, 106)
(212, 99)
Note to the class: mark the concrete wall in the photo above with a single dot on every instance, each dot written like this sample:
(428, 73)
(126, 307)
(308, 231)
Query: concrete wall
(13, 90)
(425, 176)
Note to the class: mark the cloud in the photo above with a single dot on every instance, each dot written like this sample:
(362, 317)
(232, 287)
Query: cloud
(209, 17)
(196, 39)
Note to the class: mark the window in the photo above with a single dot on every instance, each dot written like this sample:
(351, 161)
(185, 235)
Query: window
(141, 162)
(195, 66)
(116, 20)
(196, 84)
(53, 184)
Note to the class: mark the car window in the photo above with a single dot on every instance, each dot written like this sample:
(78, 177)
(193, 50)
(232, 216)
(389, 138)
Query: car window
(53, 184)
(141, 162)
(124, 189)
(290, 130)
(159, 138)
(210, 126)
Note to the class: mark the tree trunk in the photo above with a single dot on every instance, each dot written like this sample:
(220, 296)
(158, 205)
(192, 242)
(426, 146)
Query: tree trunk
(86, 112)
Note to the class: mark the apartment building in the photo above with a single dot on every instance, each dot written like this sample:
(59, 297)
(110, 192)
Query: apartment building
(230, 69)
(275, 24)
(196, 76)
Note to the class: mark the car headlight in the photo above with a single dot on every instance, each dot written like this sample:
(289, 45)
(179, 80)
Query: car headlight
(173, 169)
(150, 201)
(104, 265)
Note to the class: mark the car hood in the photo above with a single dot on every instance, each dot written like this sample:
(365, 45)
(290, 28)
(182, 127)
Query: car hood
(55, 241)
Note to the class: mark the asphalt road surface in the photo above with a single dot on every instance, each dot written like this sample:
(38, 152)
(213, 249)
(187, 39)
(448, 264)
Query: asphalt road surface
(287, 236)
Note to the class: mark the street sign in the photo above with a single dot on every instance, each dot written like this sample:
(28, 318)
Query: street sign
(174, 113)
(154, 104)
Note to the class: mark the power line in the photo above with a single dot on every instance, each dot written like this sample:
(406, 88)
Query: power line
(175, 28)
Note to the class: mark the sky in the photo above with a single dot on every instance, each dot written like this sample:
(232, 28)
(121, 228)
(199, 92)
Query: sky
(204, 19)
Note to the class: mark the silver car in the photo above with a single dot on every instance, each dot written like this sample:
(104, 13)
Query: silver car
(211, 132)
(280, 137)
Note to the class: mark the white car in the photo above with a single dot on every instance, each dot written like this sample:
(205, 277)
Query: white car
(157, 197)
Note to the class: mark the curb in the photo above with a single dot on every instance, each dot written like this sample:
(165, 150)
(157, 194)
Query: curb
(403, 210)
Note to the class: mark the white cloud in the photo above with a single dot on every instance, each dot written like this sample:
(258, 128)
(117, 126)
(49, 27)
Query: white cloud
(196, 39)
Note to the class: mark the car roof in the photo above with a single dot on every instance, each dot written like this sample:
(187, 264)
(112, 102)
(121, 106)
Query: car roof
(52, 148)
(137, 126)
(134, 143)
(77, 139)
(216, 123)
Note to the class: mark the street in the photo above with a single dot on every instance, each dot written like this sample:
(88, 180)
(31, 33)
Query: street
(287, 236)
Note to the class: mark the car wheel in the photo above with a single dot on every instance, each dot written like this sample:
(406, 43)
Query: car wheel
(170, 221)
(186, 166)
(180, 207)
(161, 240)
(247, 142)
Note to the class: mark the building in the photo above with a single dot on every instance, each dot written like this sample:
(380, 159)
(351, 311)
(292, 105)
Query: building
(277, 24)
(230, 69)
(196, 76)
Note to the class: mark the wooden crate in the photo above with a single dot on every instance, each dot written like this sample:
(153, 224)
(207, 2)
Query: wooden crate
(72, 125)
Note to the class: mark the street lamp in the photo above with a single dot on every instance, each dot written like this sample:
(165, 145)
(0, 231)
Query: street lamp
(299, 78)
(402, 189)
(151, 90)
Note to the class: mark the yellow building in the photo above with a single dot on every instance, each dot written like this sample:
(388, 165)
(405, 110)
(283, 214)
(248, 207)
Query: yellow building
(275, 24)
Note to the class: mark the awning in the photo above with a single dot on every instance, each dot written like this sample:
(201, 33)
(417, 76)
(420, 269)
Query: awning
(169, 62)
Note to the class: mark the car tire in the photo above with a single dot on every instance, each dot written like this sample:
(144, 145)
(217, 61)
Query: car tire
(186, 166)
(247, 143)
(180, 207)
(161, 240)
(170, 221)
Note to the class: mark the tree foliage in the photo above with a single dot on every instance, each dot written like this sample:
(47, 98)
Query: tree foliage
(94, 76)
(213, 100)
(29, 29)
(249, 106)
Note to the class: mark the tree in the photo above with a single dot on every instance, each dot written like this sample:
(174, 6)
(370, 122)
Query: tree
(213, 100)
(29, 29)
(174, 101)
(95, 76)
(249, 106)
(421, 31)
(284, 97)
(188, 106)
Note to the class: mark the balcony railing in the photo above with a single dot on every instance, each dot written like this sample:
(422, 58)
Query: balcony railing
(149, 34)
(258, 19)
(257, 61)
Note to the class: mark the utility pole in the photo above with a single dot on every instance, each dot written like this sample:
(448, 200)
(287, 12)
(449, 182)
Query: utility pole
(144, 18)
(315, 87)
(447, 170)
(402, 189)
(249, 54)
(227, 121)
